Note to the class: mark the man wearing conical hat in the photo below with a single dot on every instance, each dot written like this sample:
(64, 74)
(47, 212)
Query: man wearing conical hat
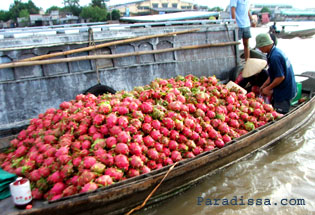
(281, 82)
(254, 75)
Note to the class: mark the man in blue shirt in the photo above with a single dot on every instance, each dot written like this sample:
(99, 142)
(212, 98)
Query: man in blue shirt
(240, 12)
(281, 82)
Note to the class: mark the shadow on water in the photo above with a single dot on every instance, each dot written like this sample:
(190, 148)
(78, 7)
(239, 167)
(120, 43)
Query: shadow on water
(276, 175)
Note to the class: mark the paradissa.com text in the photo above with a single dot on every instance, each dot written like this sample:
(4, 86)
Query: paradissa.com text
(249, 201)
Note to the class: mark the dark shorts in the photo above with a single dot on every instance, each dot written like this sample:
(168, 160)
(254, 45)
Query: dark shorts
(282, 107)
(244, 33)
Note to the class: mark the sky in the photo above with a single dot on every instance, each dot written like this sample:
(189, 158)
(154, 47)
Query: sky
(45, 4)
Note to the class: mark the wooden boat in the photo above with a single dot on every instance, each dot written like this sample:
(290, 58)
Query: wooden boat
(300, 33)
(123, 196)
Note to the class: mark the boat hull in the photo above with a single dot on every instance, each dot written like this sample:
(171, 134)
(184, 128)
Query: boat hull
(127, 194)
(292, 34)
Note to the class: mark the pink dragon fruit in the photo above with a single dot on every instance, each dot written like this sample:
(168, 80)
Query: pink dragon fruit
(57, 188)
(148, 141)
(136, 162)
(111, 120)
(114, 173)
(132, 173)
(69, 191)
(89, 161)
(123, 137)
(55, 177)
(104, 180)
(86, 177)
(153, 154)
(219, 143)
(146, 107)
(111, 142)
(176, 156)
(91, 186)
(135, 149)
(121, 161)
(122, 148)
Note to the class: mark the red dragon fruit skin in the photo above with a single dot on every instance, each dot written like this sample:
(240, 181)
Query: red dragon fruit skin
(35, 175)
(145, 169)
(57, 188)
(148, 141)
(133, 172)
(37, 193)
(219, 143)
(121, 161)
(146, 107)
(176, 156)
(104, 180)
(69, 191)
(123, 137)
(123, 121)
(135, 149)
(55, 177)
(146, 127)
(136, 162)
(89, 161)
(153, 154)
(111, 142)
(114, 173)
(91, 186)
(86, 177)
(122, 148)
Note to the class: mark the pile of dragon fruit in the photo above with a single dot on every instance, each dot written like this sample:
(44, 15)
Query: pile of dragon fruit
(93, 142)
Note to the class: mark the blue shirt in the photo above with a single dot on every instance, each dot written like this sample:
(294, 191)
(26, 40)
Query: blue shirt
(241, 12)
(279, 66)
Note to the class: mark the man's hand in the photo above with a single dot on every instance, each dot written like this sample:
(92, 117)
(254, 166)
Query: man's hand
(266, 92)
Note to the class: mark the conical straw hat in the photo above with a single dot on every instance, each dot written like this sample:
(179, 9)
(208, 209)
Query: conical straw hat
(253, 66)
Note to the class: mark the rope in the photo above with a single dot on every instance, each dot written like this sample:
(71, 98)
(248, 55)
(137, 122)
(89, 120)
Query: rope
(92, 43)
(153, 191)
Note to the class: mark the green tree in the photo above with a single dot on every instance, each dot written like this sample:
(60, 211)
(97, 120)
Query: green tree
(218, 9)
(52, 8)
(115, 14)
(18, 6)
(24, 13)
(94, 14)
(98, 3)
(265, 10)
(4, 15)
(72, 6)
(71, 3)
(31, 7)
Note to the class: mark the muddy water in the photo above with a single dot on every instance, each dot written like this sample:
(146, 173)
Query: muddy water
(276, 180)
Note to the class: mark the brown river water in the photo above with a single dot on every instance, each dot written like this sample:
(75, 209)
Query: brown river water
(278, 179)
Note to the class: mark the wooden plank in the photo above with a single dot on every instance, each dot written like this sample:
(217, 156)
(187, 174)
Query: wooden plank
(89, 48)
(111, 56)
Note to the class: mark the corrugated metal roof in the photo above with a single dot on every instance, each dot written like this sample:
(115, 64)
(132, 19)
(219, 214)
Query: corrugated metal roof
(295, 12)
(171, 16)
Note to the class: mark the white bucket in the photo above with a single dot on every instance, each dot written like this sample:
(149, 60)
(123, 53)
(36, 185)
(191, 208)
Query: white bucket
(21, 191)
